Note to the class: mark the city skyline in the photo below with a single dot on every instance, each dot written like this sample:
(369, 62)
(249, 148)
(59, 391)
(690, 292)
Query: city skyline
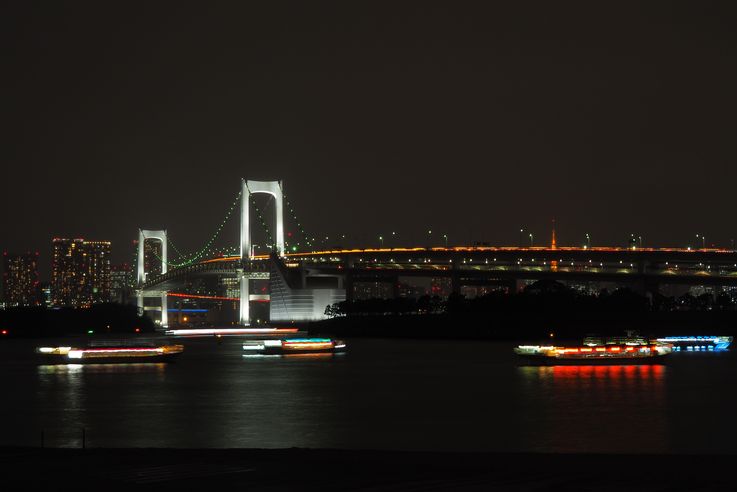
(480, 122)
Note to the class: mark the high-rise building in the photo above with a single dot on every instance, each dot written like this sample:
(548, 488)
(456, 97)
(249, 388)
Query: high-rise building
(46, 294)
(80, 272)
(121, 283)
(20, 280)
(66, 271)
(97, 269)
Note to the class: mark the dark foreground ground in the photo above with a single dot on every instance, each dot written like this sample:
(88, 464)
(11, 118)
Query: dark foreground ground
(304, 469)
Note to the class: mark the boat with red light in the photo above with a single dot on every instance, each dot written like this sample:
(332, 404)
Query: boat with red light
(609, 354)
(110, 353)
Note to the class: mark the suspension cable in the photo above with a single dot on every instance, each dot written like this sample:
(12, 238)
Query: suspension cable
(294, 217)
(193, 257)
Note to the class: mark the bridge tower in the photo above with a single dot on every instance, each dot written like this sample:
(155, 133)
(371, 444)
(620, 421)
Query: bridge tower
(159, 235)
(248, 188)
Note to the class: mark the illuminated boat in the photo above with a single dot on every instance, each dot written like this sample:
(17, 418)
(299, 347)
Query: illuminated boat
(631, 338)
(698, 343)
(109, 354)
(610, 354)
(201, 332)
(288, 346)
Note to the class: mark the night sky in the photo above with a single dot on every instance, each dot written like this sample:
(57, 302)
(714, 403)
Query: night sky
(613, 117)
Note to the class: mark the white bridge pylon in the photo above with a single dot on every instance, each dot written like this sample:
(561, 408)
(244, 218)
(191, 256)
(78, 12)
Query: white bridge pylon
(142, 236)
(248, 188)
(141, 276)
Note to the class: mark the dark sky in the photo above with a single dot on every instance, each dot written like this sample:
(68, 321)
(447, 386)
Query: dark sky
(613, 117)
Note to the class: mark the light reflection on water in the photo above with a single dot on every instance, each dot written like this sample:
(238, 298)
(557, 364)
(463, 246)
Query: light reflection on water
(66, 385)
(381, 394)
(596, 408)
(101, 368)
(585, 376)
(321, 355)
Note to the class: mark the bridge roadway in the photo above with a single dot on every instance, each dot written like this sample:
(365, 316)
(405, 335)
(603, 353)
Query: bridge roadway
(647, 267)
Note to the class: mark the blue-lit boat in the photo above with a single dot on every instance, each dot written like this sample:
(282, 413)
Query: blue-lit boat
(286, 346)
(698, 343)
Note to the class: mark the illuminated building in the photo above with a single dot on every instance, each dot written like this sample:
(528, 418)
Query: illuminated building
(152, 254)
(20, 280)
(46, 294)
(80, 272)
(373, 290)
(66, 266)
(410, 289)
(120, 283)
(441, 287)
(97, 271)
(230, 286)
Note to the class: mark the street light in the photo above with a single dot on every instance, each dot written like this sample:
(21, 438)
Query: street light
(588, 241)
(703, 240)
(445, 236)
(531, 239)
(381, 238)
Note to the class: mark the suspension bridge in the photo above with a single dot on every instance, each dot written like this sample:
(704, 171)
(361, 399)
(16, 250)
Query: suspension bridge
(301, 284)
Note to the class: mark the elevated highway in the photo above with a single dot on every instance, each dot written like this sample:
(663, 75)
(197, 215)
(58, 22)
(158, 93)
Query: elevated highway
(293, 277)
(682, 266)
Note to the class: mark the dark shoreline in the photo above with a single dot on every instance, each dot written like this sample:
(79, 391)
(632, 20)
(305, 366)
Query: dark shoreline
(331, 469)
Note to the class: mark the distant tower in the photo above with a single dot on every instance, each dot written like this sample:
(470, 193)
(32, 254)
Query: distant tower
(553, 245)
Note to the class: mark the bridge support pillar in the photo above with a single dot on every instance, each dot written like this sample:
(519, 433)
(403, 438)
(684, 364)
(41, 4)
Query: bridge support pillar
(139, 302)
(245, 314)
(164, 310)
